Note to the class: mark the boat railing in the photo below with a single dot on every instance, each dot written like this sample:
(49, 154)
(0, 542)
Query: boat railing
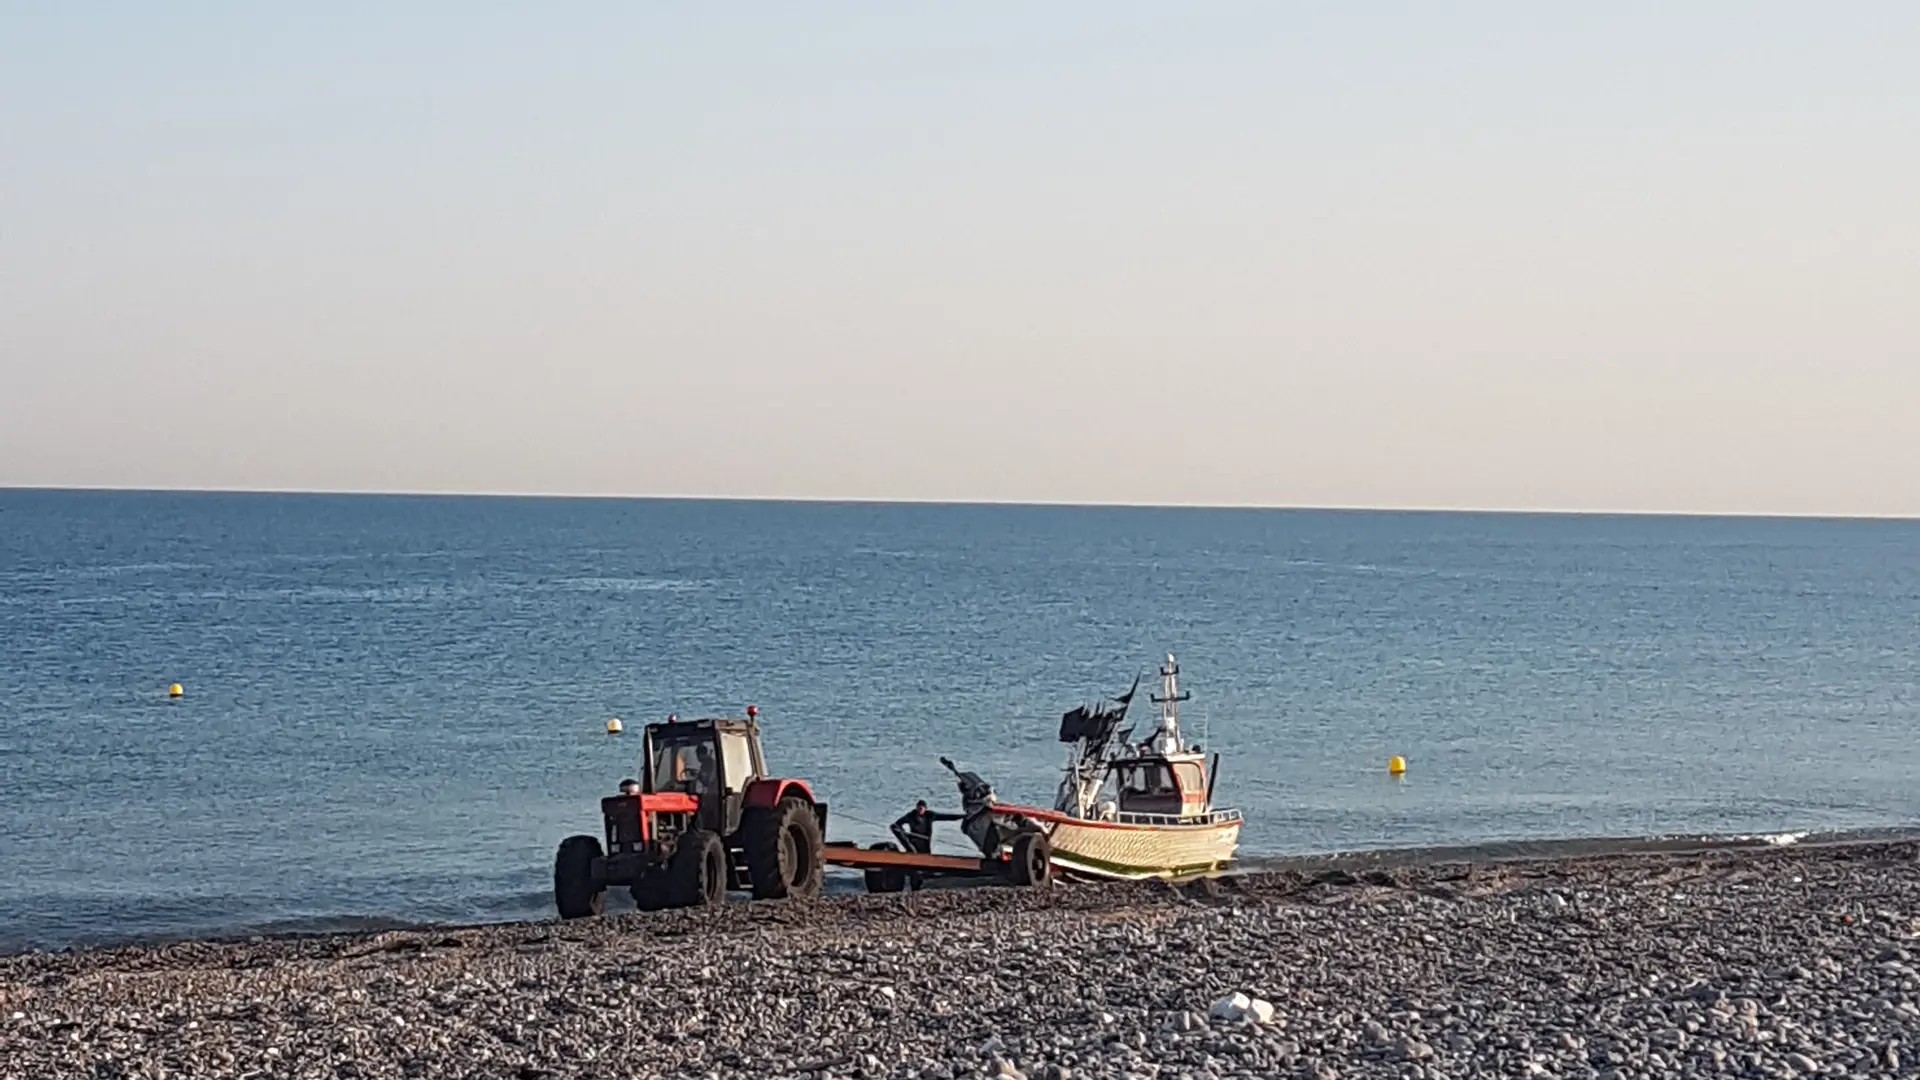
(1212, 817)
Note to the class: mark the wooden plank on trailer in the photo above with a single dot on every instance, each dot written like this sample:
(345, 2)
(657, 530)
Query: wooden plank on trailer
(849, 855)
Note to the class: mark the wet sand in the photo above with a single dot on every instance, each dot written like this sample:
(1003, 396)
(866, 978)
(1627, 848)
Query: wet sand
(1723, 961)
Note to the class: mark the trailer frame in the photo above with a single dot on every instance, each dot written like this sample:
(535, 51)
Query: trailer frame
(888, 869)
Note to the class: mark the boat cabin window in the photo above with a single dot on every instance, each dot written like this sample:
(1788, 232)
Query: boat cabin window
(1147, 787)
(1193, 782)
(1161, 787)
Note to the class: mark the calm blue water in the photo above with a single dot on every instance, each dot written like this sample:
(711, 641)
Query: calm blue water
(395, 705)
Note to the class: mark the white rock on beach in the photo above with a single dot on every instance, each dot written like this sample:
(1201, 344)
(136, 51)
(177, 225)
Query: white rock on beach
(1239, 1007)
(1232, 1008)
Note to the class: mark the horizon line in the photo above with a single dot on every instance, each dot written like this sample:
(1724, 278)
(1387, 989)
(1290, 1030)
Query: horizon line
(867, 500)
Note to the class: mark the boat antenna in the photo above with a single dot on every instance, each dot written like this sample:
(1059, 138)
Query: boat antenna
(1167, 738)
(1171, 670)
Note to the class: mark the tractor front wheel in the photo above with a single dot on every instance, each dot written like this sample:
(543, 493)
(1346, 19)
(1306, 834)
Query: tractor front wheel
(699, 870)
(783, 850)
(575, 892)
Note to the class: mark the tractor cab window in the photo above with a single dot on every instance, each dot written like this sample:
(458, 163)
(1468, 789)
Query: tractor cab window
(736, 755)
(687, 767)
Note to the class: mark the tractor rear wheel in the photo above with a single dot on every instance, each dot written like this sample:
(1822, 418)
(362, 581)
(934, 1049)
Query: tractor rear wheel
(653, 892)
(698, 871)
(783, 850)
(1032, 859)
(574, 891)
(885, 879)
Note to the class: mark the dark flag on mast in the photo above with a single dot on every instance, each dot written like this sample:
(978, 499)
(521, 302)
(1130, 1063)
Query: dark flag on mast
(1096, 724)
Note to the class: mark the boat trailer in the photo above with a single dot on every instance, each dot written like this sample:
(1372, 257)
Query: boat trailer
(887, 869)
(1012, 849)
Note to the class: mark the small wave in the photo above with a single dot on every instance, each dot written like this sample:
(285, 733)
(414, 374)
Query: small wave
(515, 905)
(1569, 847)
(1780, 839)
(603, 584)
(1358, 567)
(419, 593)
(330, 924)
(85, 601)
(134, 568)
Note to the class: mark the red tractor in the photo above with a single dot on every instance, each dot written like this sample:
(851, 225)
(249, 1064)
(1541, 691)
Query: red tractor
(707, 819)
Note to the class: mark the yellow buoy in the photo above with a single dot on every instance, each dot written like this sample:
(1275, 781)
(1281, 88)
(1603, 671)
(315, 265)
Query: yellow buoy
(614, 727)
(176, 690)
(1397, 765)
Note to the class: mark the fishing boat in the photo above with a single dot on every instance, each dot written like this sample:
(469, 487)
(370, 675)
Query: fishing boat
(1124, 810)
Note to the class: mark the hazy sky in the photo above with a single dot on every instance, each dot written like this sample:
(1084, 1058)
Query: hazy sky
(1649, 256)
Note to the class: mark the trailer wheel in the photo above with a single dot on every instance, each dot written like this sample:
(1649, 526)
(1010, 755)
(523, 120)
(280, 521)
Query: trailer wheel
(1032, 860)
(783, 850)
(885, 879)
(574, 890)
(698, 871)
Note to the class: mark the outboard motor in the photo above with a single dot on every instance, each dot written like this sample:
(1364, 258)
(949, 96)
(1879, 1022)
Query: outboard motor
(977, 802)
(975, 794)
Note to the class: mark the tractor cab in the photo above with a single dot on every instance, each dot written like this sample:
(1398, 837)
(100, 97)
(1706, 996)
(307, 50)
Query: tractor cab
(712, 760)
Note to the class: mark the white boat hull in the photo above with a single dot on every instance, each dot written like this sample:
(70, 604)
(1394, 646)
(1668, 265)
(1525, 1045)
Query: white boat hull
(1131, 852)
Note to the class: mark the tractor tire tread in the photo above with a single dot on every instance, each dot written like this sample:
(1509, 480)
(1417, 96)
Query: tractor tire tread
(775, 870)
(574, 892)
(698, 870)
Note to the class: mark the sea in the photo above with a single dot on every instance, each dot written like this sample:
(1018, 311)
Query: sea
(395, 707)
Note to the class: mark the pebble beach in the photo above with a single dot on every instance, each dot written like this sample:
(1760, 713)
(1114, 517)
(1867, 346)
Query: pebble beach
(1797, 961)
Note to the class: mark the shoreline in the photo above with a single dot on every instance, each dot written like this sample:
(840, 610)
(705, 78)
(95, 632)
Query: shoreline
(848, 883)
(1747, 960)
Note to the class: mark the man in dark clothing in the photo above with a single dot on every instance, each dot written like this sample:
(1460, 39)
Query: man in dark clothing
(706, 778)
(914, 830)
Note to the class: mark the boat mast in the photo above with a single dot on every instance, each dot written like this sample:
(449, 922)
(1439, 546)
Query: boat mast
(1167, 739)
